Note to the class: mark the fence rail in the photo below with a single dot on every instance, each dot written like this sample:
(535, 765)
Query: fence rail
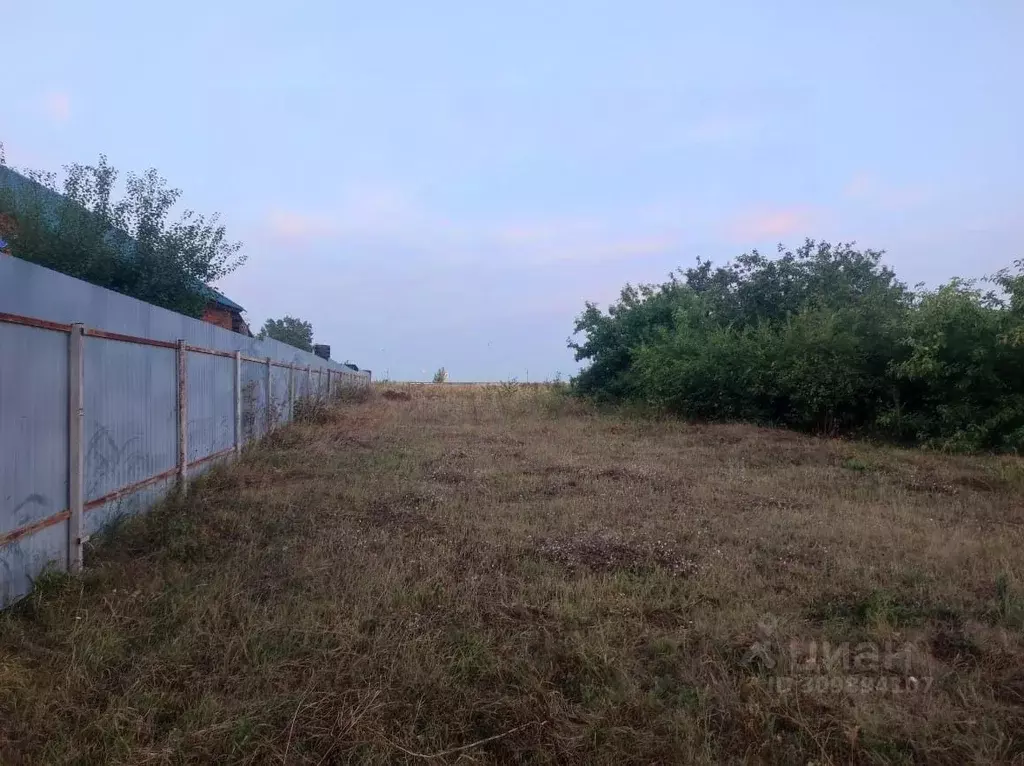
(104, 432)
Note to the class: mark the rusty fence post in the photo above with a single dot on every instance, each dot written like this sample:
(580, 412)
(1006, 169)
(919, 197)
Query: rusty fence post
(238, 403)
(182, 416)
(270, 398)
(76, 453)
(291, 392)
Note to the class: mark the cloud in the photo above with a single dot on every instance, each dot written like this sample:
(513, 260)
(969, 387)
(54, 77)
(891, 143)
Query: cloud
(296, 228)
(57, 105)
(360, 211)
(774, 224)
(363, 221)
(868, 188)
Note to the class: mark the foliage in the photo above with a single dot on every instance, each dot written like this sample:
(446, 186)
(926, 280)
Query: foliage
(441, 376)
(131, 245)
(294, 332)
(507, 389)
(822, 339)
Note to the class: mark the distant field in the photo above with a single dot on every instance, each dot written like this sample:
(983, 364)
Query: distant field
(495, 573)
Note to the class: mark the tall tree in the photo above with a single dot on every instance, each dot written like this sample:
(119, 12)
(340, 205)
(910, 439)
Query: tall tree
(131, 245)
(290, 330)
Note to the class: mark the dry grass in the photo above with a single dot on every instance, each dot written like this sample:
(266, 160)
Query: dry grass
(498, 574)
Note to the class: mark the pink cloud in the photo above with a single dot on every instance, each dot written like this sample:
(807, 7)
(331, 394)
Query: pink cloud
(386, 219)
(298, 227)
(771, 224)
(57, 106)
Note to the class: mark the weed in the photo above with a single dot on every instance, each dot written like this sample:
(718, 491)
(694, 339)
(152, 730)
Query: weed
(514, 572)
(507, 389)
(1008, 602)
(353, 393)
(881, 609)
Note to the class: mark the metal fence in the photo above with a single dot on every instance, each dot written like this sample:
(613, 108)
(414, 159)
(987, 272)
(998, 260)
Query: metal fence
(98, 422)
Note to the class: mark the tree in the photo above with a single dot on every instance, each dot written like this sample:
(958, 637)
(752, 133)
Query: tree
(289, 330)
(823, 338)
(131, 245)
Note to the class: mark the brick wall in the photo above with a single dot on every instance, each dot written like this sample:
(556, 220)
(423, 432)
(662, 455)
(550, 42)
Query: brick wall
(218, 316)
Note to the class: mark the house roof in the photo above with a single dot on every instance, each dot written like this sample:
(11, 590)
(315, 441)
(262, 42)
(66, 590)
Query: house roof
(15, 181)
(220, 299)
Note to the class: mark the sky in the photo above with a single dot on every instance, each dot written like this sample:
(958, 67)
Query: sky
(446, 183)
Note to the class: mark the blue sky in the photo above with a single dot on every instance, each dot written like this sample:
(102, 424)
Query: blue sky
(445, 183)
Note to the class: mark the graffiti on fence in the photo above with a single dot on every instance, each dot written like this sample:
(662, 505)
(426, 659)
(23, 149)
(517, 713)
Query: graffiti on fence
(104, 458)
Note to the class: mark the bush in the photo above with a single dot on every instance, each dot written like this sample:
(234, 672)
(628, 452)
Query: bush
(962, 375)
(822, 339)
(130, 245)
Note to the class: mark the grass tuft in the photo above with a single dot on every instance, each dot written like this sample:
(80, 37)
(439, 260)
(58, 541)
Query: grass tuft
(503, 574)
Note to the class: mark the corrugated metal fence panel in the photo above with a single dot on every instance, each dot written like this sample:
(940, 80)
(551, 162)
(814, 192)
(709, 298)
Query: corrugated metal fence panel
(254, 401)
(33, 425)
(25, 559)
(31, 290)
(137, 501)
(130, 408)
(131, 425)
(33, 451)
(279, 389)
(130, 414)
(211, 404)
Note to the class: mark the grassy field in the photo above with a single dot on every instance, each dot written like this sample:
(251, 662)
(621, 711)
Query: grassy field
(492, 574)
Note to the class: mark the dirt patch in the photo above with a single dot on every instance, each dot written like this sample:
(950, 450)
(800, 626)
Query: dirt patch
(623, 473)
(346, 441)
(930, 486)
(449, 476)
(953, 646)
(402, 511)
(609, 552)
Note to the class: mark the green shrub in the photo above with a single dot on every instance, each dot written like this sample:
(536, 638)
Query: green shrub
(822, 339)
